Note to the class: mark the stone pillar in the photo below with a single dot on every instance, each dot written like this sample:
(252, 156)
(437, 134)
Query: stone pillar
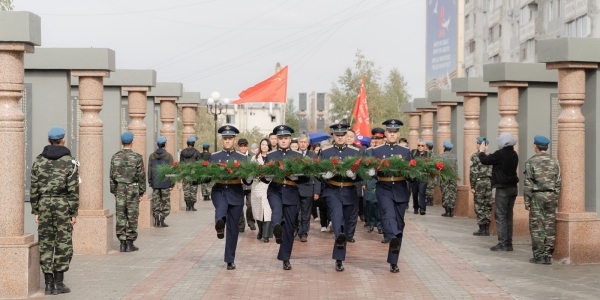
(576, 230)
(188, 118)
(168, 113)
(136, 103)
(94, 232)
(413, 134)
(20, 263)
(444, 117)
(427, 124)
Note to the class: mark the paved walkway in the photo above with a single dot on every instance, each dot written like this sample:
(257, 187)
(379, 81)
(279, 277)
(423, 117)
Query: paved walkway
(440, 259)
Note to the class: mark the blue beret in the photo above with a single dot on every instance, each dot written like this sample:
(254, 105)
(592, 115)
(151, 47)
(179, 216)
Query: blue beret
(448, 145)
(205, 145)
(56, 133)
(127, 137)
(429, 144)
(161, 140)
(480, 140)
(541, 140)
(339, 129)
(191, 139)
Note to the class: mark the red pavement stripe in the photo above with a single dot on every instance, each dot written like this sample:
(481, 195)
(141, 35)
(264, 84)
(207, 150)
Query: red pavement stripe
(163, 279)
(466, 276)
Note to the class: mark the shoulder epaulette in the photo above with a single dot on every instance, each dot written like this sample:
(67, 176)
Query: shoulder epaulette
(215, 153)
(404, 147)
(326, 147)
(297, 151)
(271, 151)
(352, 147)
(379, 146)
(240, 153)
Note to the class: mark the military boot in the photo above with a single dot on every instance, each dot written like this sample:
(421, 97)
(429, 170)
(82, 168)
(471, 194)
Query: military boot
(192, 208)
(446, 213)
(162, 222)
(131, 247)
(49, 279)
(486, 228)
(156, 221)
(59, 286)
(187, 205)
(451, 212)
(123, 247)
(481, 231)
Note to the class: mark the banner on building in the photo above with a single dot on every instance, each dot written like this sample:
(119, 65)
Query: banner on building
(442, 47)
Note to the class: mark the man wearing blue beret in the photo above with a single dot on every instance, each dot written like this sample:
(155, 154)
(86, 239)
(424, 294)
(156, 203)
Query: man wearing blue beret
(542, 188)
(480, 180)
(190, 155)
(55, 204)
(449, 186)
(128, 184)
(161, 190)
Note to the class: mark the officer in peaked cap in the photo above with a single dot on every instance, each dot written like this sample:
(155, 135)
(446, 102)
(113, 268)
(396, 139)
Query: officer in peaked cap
(283, 196)
(340, 193)
(228, 195)
(392, 192)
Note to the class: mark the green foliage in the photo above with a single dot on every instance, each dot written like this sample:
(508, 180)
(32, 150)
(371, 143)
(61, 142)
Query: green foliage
(416, 169)
(203, 172)
(358, 165)
(291, 116)
(6, 5)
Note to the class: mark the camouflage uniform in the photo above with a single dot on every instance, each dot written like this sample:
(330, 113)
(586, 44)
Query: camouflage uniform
(190, 188)
(127, 183)
(480, 179)
(542, 187)
(161, 193)
(449, 187)
(55, 199)
(206, 188)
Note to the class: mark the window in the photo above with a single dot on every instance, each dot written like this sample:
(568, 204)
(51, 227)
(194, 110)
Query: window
(578, 27)
(468, 23)
(554, 10)
(470, 72)
(527, 15)
(493, 4)
(494, 32)
(229, 119)
(528, 49)
(494, 59)
(470, 47)
(272, 118)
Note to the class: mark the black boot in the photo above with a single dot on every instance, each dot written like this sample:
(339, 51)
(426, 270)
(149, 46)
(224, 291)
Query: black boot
(260, 229)
(480, 232)
(162, 222)
(486, 228)
(451, 212)
(446, 213)
(49, 279)
(156, 221)
(187, 205)
(206, 198)
(131, 247)
(192, 208)
(59, 286)
(123, 247)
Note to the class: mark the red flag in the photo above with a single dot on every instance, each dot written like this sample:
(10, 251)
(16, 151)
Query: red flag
(274, 89)
(361, 113)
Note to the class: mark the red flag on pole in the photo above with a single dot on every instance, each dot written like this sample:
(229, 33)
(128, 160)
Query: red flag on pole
(274, 89)
(361, 113)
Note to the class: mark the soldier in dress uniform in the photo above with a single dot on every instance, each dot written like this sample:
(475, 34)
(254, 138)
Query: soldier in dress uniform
(369, 186)
(392, 192)
(228, 195)
(340, 193)
(205, 188)
(283, 196)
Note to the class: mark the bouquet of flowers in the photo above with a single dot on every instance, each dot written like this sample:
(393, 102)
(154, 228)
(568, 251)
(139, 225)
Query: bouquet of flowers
(423, 169)
(204, 171)
(356, 165)
(279, 169)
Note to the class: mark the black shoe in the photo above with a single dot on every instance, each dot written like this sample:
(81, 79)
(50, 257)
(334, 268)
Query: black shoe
(340, 241)
(416, 211)
(366, 225)
(242, 230)
(446, 213)
(206, 198)
(230, 266)
(499, 247)
(547, 260)
(131, 247)
(266, 240)
(486, 228)
(422, 213)
(49, 280)
(162, 222)
(539, 261)
(508, 247)
(252, 227)
(296, 232)
(157, 221)
(287, 265)
(385, 240)
(351, 240)
(220, 228)
(379, 230)
(123, 247)
(362, 219)
(394, 268)
(339, 266)
(187, 205)
(192, 208)
(480, 232)
(395, 245)
(451, 212)
(59, 287)
(371, 229)
(278, 233)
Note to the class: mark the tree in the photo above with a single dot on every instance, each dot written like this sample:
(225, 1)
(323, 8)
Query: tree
(6, 5)
(383, 99)
(291, 116)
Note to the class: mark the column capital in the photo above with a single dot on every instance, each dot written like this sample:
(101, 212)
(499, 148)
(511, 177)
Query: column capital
(509, 84)
(571, 65)
(10, 46)
(444, 103)
(471, 94)
(166, 98)
(90, 73)
(135, 88)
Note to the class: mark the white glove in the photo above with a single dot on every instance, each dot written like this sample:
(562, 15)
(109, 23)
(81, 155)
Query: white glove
(268, 178)
(250, 179)
(350, 174)
(371, 172)
(328, 175)
(294, 177)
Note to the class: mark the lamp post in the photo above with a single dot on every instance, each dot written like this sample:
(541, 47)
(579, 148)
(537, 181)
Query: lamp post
(215, 107)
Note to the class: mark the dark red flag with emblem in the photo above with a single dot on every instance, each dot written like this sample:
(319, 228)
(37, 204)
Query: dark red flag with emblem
(274, 89)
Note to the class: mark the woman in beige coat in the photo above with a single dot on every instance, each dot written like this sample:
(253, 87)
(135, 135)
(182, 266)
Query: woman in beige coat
(260, 205)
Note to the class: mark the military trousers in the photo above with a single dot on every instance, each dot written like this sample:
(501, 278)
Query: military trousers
(483, 200)
(284, 215)
(206, 189)
(304, 211)
(190, 192)
(429, 192)
(55, 234)
(449, 191)
(161, 202)
(127, 211)
(392, 219)
(542, 223)
(341, 222)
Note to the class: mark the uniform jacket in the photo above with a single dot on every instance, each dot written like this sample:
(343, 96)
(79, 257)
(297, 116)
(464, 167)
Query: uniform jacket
(190, 155)
(348, 195)
(289, 194)
(477, 170)
(397, 191)
(127, 167)
(504, 166)
(370, 194)
(159, 157)
(450, 158)
(55, 173)
(205, 156)
(234, 193)
(542, 174)
(313, 186)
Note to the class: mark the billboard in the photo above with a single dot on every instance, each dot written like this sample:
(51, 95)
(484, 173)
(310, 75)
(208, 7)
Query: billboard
(442, 51)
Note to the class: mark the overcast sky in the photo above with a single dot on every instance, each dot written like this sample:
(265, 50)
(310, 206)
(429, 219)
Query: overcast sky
(230, 45)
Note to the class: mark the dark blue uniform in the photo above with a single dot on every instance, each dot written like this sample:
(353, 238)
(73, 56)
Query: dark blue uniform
(342, 201)
(284, 200)
(393, 197)
(228, 200)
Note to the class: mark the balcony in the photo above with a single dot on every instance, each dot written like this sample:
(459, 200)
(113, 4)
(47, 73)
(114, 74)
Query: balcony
(468, 34)
(469, 7)
(468, 59)
(493, 48)
(527, 31)
(494, 17)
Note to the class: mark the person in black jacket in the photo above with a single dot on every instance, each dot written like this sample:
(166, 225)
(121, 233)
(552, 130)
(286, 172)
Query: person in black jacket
(190, 188)
(504, 179)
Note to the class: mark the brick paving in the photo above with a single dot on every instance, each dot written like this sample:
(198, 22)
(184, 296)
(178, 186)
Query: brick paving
(185, 261)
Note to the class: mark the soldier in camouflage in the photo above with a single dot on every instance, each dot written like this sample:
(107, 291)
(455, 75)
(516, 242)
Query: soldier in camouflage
(542, 188)
(205, 188)
(128, 184)
(449, 187)
(55, 202)
(190, 189)
(430, 190)
(161, 190)
(480, 179)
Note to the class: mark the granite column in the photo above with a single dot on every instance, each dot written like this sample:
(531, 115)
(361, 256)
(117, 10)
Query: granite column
(413, 134)
(427, 124)
(444, 117)
(188, 117)
(168, 112)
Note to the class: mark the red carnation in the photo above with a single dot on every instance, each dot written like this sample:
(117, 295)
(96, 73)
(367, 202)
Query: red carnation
(230, 170)
(303, 161)
(294, 158)
(205, 164)
(316, 160)
(368, 161)
(271, 163)
(236, 164)
(377, 159)
(175, 164)
(386, 163)
(335, 160)
(356, 164)
(280, 164)
(439, 165)
(412, 163)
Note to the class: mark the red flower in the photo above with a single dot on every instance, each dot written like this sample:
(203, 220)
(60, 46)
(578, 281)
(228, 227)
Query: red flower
(205, 164)
(356, 164)
(236, 164)
(439, 165)
(386, 163)
(271, 163)
(368, 161)
(230, 170)
(304, 161)
(316, 160)
(335, 160)
(377, 159)
(280, 164)
(412, 163)
(223, 164)
(294, 158)
(426, 159)
(175, 164)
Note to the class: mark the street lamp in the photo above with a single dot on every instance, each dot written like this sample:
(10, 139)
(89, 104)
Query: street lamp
(213, 107)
